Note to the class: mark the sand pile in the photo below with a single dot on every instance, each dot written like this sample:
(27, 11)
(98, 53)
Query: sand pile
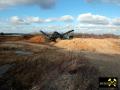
(37, 39)
(90, 44)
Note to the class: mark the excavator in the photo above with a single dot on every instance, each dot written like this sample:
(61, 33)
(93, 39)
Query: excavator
(55, 35)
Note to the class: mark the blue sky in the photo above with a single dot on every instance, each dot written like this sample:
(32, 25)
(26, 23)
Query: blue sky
(86, 16)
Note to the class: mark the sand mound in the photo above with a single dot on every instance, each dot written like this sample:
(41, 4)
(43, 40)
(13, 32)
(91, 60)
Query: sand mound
(37, 39)
(92, 45)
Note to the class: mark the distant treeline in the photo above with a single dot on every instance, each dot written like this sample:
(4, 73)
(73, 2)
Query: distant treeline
(85, 35)
(10, 33)
(78, 35)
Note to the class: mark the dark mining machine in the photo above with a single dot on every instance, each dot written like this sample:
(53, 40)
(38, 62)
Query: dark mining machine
(55, 35)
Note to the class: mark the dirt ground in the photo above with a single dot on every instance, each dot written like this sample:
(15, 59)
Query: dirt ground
(31, 62)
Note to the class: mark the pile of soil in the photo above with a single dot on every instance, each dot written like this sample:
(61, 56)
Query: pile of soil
(91, 44)
(37, 39)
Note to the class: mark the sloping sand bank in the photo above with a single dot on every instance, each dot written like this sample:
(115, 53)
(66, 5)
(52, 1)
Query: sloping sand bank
(108, 45)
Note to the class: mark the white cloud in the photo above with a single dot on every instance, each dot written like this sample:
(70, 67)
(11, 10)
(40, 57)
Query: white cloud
(89, 23)
(51, 20)
(66, 18)
(98, 29)
(31, 19)
(116, 21)
(117, 2)
(89, 18)
(42, 3)
(34, 20)
(97, 24)
(16, 20)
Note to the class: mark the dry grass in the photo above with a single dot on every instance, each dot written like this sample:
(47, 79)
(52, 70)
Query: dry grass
(47, 69)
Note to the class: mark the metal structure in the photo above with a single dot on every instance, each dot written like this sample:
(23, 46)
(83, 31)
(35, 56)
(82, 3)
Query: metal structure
(55, 35)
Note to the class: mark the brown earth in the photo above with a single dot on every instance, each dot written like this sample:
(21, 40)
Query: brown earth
(37, 39)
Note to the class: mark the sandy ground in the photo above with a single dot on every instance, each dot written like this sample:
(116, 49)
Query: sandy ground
(108, 46)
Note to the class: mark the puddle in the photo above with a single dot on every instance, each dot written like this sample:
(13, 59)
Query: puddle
(5, 68)
(23, 53)
(17, 52)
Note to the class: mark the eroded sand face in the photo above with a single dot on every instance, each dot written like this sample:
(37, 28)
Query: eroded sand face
(108, 45)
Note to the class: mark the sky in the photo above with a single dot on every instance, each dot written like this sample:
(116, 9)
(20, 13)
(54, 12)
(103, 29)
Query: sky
(84, 16)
